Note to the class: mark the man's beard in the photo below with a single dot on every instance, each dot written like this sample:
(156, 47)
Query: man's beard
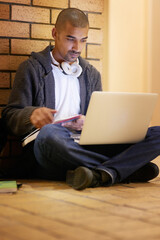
(71, 56)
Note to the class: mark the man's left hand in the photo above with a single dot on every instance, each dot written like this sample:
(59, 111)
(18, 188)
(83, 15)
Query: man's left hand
(76, 124)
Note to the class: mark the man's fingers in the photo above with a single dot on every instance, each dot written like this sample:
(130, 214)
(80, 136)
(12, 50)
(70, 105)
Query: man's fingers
(53, 110)
(42, 116)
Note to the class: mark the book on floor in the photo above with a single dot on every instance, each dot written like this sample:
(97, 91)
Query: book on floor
(8, 186)
(32, 136)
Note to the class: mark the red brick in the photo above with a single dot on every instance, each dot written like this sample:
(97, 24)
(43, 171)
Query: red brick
(94, 51)
(4, 80)
(95, 20)
(4, 11)
(83, 53)
(95, 36)
(41, 31)
(91, 5)
(30, 14)
(4, 95)
(14, 29)
(27, 2)
(55, 13)
(19, 46)
(11, 62)
(51, 3)
(13, 74)
(4, 45)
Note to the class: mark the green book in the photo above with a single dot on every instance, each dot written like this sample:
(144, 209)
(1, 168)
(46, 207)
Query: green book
(8, 186)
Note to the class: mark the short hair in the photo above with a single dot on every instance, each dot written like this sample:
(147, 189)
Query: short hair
(76, 17)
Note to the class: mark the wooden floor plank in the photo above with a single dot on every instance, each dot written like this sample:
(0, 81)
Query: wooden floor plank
(52, 210)
(17, 230)
(51, 226)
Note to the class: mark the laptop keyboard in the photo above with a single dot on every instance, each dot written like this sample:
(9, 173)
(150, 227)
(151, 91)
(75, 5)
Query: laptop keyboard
(76, 137)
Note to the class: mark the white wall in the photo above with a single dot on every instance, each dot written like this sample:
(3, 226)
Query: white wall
(154, 54)
(132, 47)
(126, 45)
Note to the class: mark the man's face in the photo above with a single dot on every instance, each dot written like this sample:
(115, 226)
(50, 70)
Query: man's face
(69, 42)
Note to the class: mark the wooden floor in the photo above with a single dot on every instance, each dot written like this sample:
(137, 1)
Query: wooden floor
(44, 210)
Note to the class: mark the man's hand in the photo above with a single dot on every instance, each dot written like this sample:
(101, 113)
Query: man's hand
(42, 116)
(76, 124)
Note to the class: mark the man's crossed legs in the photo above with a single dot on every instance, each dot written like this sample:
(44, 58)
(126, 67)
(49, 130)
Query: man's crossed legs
(95, 165)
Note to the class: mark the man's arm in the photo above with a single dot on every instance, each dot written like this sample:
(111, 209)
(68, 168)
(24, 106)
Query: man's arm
(20, 106)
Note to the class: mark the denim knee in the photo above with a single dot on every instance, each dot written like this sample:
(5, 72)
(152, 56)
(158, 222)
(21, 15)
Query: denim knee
(51, 139)
(53, 132)
(153, 131)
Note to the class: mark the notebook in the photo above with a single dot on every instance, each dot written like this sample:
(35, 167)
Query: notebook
(117, 118)
(32, 136)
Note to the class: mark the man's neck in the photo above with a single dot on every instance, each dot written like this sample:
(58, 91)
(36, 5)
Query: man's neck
(56, 57)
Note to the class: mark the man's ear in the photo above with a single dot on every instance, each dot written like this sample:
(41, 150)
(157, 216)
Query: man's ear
(54, 33)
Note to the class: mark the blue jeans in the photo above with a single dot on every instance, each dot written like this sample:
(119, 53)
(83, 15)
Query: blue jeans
(56, 153)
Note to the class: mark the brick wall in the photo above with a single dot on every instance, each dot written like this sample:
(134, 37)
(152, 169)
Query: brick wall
(25, 26)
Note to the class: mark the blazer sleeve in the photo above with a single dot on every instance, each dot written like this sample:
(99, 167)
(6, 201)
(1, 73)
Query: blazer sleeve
(20, 105)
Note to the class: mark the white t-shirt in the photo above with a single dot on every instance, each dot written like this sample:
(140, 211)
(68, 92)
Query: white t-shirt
(67, 93)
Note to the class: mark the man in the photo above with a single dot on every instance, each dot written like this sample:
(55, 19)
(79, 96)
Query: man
(57, 83)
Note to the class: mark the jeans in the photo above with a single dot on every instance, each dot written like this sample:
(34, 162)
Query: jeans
(56, 153)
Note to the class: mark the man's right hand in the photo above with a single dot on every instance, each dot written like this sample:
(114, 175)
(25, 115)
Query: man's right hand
(42, 116)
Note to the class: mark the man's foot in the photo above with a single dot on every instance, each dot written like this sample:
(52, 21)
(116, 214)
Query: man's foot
(144, 174)
(83, 177)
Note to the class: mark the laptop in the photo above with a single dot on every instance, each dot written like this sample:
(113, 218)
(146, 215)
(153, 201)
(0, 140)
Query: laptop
(117, 118)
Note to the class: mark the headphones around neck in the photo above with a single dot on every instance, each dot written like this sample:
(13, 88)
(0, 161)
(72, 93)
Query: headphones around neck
(73, 69)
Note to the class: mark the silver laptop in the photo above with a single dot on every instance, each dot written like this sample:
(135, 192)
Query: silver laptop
(117, 118)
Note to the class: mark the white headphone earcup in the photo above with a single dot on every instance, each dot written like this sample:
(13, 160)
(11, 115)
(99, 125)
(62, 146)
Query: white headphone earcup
(66, 68)
(74, 69)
